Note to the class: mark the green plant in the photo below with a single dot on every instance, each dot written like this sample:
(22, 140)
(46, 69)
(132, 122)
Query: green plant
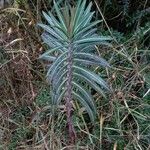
(71, 36)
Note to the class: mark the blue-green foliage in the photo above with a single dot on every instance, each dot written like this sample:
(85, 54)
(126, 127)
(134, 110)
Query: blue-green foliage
(73, 28)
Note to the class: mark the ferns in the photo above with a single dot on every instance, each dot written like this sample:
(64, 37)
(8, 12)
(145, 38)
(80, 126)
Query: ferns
(72, 36)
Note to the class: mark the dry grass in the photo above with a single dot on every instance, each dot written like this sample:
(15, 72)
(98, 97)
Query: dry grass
(26, 121)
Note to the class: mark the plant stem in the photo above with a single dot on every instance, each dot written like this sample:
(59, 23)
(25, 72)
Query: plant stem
(70, 126)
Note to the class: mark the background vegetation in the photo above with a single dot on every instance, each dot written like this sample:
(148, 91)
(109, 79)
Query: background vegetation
(124, 116)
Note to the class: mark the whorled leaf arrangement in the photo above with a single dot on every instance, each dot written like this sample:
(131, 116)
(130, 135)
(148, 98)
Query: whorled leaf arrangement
(72, 37)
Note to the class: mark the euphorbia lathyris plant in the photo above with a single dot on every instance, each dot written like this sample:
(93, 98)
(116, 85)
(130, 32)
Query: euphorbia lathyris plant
(71, 36)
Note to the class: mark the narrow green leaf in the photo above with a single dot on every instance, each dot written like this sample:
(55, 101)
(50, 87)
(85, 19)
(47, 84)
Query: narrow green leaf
(52, 42)
(85, 29)
(46, 54)
(88, 98)
(93, 58)
(56, 23)
(80, 15)
(61, 18)
(57, 68)
(76, 13)
(92, 76)
(58, 92)
(89, 33)
(50, 31)
(91, 83)
(49, 20)
(57, 100)
(93, 39)
(61, 96)
(58, 79)
(85, 104)
(66, 16)
(88, 9)
(57, 27)
(83, 22)
(48, 58)
(58, 62)
(61, 86)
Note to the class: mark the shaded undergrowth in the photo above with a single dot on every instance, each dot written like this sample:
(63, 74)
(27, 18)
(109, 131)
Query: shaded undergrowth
(26, 119)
